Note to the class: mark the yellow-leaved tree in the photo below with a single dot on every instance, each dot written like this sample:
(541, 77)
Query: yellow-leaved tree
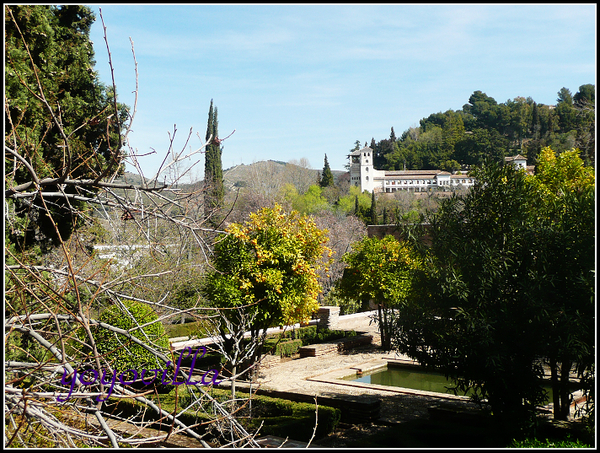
(265, 274)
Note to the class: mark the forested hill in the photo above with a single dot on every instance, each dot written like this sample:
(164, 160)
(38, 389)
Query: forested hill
(485, 129)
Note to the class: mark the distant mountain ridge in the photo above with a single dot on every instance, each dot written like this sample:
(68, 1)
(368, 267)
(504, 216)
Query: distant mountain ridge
(241, 175)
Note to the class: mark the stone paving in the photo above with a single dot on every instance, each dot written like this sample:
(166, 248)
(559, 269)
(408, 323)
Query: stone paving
(319, 376)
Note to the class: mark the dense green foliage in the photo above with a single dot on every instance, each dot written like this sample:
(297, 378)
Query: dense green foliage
(296, 420)
(288, 348)
(291, 341)
(326, 175)
(59, 117)
(124, 354)
(213, 169)
(381, 270)
(282, 418)
(485, 129)
(509, 281)
(563, 273)
(271, 261)
(267, 269)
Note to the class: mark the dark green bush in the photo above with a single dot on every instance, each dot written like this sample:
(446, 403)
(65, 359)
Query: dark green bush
(123, 353)
(292, 419)
(311, 335)
(306, 335)
(288, 348)
(282, 418)
(188, 329)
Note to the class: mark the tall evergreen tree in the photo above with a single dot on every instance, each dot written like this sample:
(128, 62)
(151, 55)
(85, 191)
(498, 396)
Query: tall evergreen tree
(386, 218)
(50, 44)
(374, 216)
(327, 177)
(213, 169)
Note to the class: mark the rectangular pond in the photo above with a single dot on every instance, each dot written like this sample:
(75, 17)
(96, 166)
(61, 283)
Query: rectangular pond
(404, 376)
(412, 377)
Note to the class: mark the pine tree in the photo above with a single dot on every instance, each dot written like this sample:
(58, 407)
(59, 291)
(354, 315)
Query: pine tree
(213, 169)
(327, 178)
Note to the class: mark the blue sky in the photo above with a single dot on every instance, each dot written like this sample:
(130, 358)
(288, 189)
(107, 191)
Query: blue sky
(304, 80)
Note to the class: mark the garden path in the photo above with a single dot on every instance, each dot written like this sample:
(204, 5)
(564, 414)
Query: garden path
(313, 375)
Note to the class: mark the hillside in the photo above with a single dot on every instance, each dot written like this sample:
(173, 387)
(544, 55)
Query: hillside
(243, 175)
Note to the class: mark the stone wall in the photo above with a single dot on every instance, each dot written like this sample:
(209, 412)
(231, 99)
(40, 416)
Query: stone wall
(328, 317)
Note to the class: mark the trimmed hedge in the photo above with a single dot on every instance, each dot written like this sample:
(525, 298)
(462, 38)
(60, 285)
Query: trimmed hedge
(189, 329)
(281, 417)
(277, 344)
(288, 348)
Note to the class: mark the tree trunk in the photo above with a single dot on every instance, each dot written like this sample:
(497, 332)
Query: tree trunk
(233, 373)
(565, 402)
(560, 388)
(381, 331)
(555, 387)
(386, 344)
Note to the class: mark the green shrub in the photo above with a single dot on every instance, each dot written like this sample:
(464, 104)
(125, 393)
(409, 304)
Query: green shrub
(281, 417)
(549, 443)
(288, 348)
(330, 335)
(292, 419)
(123, 353)
(347, 306)
(306, 335)
(188, 329)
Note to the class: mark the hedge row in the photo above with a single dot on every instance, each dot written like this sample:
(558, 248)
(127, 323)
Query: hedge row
(280, 417)
(288, 348)
(302, 337)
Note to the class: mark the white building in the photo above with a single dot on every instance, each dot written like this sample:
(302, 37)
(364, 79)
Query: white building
(364, 175)
(517, 161)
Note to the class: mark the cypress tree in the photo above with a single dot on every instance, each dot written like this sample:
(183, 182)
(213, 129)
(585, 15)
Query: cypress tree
(374, 217)
(327, 178)
(213, 169)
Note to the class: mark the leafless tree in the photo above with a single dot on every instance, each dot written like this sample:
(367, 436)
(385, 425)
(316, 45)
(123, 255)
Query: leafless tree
(343, 231)
(54, 394)
(234, 342)
(300, 174)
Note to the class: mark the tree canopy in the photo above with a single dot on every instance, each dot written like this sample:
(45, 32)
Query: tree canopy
(380, 270)
(213, 168)
(269, 267)
(61, 122)
(507, 286)
(485, 129)
(327, 175)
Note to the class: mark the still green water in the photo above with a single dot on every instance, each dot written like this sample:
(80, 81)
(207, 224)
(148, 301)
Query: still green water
(414, 378)
(408, 377)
